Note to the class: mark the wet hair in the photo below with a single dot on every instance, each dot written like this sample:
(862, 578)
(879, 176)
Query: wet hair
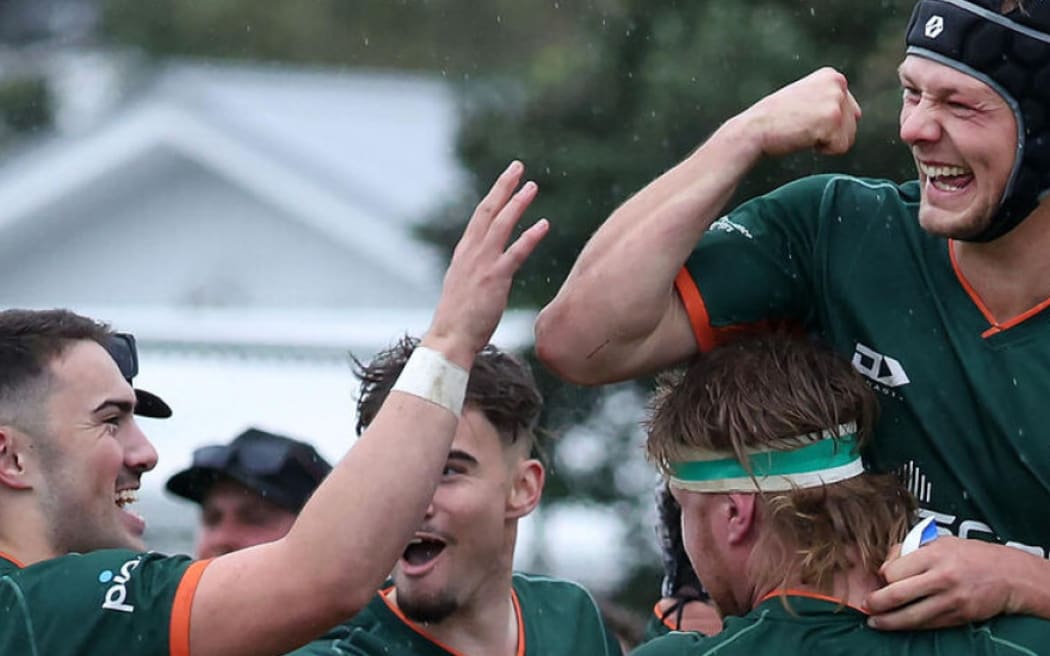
(29, 341)
(501, 386)
(760, 393)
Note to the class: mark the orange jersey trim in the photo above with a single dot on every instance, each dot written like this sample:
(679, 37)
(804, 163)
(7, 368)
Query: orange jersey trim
(418, 629)
(18, 563)
(696, 309)
(179, 631)
(707, 336)
(793, 592)
(665, 619)
(996, 325)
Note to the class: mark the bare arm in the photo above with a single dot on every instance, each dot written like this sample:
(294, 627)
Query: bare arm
(272, 598)
(617, 316)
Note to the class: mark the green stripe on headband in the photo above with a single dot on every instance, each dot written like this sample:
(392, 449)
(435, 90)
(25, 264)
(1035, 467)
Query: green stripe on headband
(819, 456)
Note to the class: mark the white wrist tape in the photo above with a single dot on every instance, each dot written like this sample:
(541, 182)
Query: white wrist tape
(429, 375)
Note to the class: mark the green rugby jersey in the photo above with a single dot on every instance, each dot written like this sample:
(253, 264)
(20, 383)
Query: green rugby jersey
(101, 603)
(824, 627)
(964, 410)
(555, 618)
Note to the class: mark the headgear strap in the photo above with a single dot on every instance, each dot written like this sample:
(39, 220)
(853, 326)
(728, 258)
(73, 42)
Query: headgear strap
(1011, 54)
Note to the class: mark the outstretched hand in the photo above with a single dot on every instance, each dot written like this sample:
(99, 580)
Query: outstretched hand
(477, 282)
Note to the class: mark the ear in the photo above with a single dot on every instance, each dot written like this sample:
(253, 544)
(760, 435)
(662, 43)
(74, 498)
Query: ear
(742, 510)
(526, 488)
(13, 471)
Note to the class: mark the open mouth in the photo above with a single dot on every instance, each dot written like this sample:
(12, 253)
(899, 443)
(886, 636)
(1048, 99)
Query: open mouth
(421, 551)
(946, 177)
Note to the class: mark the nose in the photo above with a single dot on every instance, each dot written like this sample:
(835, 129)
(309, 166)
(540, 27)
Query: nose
(139, 454)
(919, 123)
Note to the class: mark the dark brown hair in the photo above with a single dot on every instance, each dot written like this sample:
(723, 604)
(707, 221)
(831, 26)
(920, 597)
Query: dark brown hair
(29, 341)
(759, 393)
(501, 386)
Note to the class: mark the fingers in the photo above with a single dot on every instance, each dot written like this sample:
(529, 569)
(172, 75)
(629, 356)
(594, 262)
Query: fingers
(928, 613)
(523, 246)
(901, 592)
(501, 227)
(842, 128)
(494, 201)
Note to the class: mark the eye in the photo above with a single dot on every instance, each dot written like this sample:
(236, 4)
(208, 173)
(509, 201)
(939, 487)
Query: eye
(911, 94)
(452, 470)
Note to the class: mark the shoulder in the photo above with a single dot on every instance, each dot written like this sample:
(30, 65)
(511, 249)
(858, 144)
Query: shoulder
(675, 642)
(100, 568)
(549, 590)
(103, 598)
(831, 188)
(1021, 633)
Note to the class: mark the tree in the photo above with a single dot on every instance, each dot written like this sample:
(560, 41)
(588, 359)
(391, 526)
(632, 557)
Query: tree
(597, 117)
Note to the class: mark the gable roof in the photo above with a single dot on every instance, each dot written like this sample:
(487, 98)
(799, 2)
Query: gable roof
(360, 157)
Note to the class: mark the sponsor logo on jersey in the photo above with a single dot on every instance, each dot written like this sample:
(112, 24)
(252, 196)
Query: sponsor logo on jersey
(725, 224)
(117, 594)
(975, 530)
(915, 480)
(880, 368)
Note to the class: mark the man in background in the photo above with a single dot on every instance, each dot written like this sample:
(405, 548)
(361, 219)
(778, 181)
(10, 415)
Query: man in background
(250, 490)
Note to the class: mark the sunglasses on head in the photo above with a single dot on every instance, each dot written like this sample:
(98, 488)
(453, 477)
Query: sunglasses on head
(121, 347)
(259, 457)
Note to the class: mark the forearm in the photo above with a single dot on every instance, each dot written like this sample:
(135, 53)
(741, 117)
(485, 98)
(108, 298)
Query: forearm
(359, 521)
(622, 286)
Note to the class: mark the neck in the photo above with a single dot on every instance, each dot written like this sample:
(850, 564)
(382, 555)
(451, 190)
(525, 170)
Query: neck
(1011, 274)
(487, 624)
(851, 588)
(23, 534)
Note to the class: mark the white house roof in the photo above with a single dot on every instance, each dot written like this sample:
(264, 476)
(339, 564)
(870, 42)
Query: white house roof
(357, 156)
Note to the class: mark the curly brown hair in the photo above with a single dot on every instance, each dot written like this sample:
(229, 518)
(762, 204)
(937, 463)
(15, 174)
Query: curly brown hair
(501, 386)
(760, 393)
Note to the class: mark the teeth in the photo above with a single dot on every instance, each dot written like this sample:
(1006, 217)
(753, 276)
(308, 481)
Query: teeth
(944, 186)
(124, 497)
(942, 171)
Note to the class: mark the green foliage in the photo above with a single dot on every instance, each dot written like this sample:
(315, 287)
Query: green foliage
(644, 83)
(438, 35)
(25, 106)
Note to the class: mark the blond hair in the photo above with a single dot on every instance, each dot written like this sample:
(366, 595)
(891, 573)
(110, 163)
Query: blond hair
(761, 393)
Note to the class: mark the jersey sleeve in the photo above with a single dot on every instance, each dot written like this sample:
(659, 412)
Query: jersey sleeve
(755, 267)
(105, 602)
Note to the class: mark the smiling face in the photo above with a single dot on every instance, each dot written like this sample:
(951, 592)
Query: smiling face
(963, 137)
(462, 553)
(92, 456)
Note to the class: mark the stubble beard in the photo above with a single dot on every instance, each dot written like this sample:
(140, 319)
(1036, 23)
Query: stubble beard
(427, 609)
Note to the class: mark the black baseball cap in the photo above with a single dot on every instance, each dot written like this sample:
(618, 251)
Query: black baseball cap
(280, 469)
(121, 347)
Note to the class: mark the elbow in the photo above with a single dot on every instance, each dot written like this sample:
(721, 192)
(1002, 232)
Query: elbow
(561, 348)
